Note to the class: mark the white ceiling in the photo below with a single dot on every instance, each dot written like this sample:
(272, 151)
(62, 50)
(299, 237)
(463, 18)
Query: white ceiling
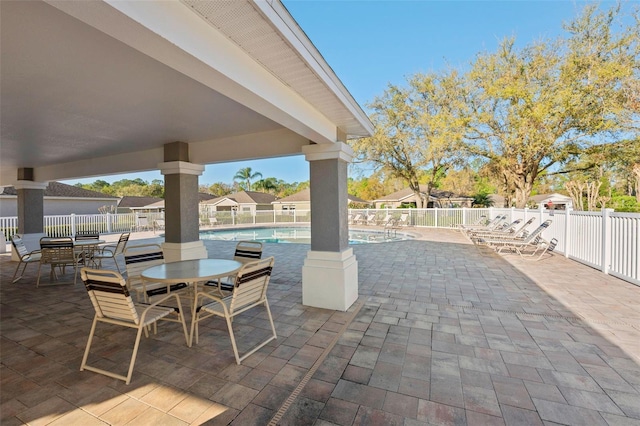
(93, 88)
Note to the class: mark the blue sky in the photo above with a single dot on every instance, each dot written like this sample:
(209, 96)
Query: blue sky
(371, 43)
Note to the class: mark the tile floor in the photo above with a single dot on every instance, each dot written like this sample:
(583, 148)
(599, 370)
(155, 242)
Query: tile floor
(443, 333)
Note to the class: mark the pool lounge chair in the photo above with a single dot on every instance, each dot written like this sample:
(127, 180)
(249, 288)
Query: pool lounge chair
(525, 247)
(509, 233)
(490, 226)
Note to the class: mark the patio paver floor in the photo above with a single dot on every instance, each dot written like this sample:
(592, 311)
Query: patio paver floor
(443, 333)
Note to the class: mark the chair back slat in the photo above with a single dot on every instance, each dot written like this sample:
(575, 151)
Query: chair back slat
(109, 295)
(18, 244)
(81, 236)
(531, 238)
(122, 243)
(251, 284)
(139, 258)
(248, 251)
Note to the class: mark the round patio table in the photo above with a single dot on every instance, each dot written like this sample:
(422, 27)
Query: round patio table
(191, 272)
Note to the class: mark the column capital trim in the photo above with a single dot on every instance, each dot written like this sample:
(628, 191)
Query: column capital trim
(29, 184)
(180, 167)
(338, 151)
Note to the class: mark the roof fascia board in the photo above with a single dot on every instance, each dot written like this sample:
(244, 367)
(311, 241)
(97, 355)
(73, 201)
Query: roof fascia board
(289, 29)
(185, 42)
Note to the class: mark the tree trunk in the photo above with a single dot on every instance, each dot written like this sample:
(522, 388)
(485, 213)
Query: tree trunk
(523, 189)
(636, 173)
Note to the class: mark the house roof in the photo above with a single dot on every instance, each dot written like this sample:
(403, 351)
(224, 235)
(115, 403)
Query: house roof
(555, 196)
(57, 189)
(133, 201)
(436, 194)
(305, 196)
(245, 197)
(159, 203)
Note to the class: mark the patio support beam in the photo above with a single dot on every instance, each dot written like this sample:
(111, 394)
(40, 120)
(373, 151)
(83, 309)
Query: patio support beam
(330, 271)
(182, 240)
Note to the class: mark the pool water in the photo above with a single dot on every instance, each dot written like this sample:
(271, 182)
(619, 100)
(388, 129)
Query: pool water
(295, 235)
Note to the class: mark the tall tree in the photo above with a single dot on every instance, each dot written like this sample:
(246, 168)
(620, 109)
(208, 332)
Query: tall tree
(417, 129)
(539, 106)
(245, 175)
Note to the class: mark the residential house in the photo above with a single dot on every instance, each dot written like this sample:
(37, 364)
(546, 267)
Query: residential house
(128, 203)
(242, 202)
(61, 199)
(157, 204)
(302, 201)
(553, 201)
(438, 198)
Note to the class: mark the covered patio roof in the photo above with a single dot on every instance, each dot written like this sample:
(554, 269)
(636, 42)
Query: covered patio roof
(97, 88)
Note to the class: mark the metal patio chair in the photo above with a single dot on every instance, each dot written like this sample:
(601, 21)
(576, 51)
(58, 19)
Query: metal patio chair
(26, 256)
(113, 305)
(250, 291)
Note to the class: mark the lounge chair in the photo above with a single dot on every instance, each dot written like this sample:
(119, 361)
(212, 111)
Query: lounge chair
(385, 220)
(370, 219)
(491, 225)
(520, 232)
(525, 247)
(404, 220)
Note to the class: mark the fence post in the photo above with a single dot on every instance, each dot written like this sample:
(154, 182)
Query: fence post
(73, 224)
(490, 213)
(108, 219)
(255, 213)
(435, 216)
(567, 231)
(606, 240)
(541, 213)
(464, 215)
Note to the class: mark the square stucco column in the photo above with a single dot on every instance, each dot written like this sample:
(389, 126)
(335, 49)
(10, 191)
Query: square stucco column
(182, 239)
(330, 271)
(30, 204)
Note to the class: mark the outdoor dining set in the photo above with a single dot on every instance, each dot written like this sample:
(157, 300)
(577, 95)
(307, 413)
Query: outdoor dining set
(153, 290)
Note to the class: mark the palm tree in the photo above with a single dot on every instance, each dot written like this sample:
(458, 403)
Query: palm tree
(269, 185)
(245, 175)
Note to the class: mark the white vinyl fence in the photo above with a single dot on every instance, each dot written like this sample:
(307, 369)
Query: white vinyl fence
(604, 240)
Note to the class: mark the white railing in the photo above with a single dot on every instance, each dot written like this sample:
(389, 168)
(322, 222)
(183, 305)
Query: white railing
(604, 240)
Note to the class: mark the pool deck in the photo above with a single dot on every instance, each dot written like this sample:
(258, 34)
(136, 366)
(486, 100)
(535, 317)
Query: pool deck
(443, 333)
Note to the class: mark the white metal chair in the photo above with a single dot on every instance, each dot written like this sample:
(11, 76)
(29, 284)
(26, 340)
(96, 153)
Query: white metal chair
(246, 251)
(250, 290)
(57, 253)
(113, 305)
(111, 251)
(26, 256)
(138, 258)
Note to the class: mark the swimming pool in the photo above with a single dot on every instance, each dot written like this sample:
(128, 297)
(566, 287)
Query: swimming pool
(296, 235)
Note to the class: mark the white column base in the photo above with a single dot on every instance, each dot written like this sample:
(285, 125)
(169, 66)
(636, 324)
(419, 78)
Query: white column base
(330, 280)
(174, 252)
